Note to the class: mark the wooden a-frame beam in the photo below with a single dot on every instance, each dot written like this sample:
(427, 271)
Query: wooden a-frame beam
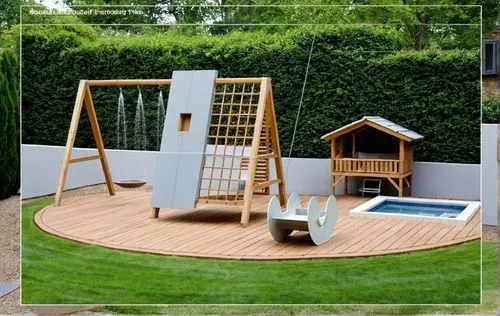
(265, 111)
(278, 162)
(161, 82)
(83, 96)
(98, 140)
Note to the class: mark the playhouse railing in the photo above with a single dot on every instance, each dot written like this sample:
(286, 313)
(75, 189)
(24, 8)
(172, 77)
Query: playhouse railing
(352, 165)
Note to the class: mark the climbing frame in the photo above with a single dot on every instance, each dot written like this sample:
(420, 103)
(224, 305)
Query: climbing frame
(231, 135)
(242, 141)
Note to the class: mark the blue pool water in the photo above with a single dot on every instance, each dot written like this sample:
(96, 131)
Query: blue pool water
(420, 209)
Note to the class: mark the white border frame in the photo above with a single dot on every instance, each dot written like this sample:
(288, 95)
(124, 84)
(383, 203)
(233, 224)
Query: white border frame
(277, 304)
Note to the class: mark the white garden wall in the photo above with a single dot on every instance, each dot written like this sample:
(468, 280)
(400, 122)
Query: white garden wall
(41, 166)
(489, 181)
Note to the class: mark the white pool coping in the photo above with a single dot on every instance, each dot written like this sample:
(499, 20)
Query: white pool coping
(462, 219)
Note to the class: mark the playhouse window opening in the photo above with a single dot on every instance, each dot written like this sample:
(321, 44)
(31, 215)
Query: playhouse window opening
(370, 141)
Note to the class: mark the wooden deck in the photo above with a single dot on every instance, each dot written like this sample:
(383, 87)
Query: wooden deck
(214, 231)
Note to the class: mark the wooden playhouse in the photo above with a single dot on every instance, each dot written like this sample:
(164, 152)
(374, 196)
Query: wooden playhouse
(372, 147)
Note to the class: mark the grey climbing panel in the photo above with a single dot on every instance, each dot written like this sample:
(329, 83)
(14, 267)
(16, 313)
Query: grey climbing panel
(180, 160)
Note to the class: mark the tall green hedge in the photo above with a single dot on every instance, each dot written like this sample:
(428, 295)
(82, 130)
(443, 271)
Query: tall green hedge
(354, 72)
(9, 123)
(491, 110)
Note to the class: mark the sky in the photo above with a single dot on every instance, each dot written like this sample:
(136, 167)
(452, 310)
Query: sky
(52, 4)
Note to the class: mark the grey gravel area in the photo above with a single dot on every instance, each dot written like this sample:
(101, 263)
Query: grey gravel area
(9, 239)
(9, 250)
(491, 233)
(9, 304)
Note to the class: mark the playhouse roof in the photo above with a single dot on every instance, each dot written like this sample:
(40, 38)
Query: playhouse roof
(379, 123)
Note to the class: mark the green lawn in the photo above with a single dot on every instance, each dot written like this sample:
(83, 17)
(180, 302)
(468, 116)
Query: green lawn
(61, 271)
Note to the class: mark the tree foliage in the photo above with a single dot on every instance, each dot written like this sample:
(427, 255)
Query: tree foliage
(423, 24)
(9, 13)
(423, 27)
(153, 11)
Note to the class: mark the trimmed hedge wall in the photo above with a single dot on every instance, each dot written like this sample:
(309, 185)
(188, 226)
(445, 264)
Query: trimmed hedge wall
(491, 110)
(9, 124)
(352, 74)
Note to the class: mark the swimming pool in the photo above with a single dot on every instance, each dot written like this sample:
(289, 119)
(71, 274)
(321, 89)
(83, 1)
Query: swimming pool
(444, 211)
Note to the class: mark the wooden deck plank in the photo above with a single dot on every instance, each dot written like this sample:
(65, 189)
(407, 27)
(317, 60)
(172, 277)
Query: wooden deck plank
(345, 233)
(381, 240)
(386, 244)
(229, 245)
(435, 228)
(368, 235)
(437, 237)
(419, 234)
(452, 233)
(189, 231)
(356, 234)
(122, 222)
(403, 241)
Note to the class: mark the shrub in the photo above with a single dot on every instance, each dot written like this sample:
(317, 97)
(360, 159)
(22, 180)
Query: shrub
(9, 122)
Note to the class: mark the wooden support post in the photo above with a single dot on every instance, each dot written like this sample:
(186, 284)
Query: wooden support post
(353, 152)
(252, 160)
(346, 184)
(401, 157)
(278, 162)
(80, 95)
(337, 182)
(332, 181)
(341, 148)
(154, 212)
(332, 165)
(98, 140)
(394, 184)
(401, 168)
(333, 148)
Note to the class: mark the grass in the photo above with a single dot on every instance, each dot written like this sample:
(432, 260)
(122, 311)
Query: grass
(60, 271)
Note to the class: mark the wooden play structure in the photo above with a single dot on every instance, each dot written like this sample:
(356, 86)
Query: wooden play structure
(372, 147)
(319, 224)
(241, 140)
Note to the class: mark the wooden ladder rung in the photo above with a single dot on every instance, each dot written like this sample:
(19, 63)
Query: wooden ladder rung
(86, 158)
